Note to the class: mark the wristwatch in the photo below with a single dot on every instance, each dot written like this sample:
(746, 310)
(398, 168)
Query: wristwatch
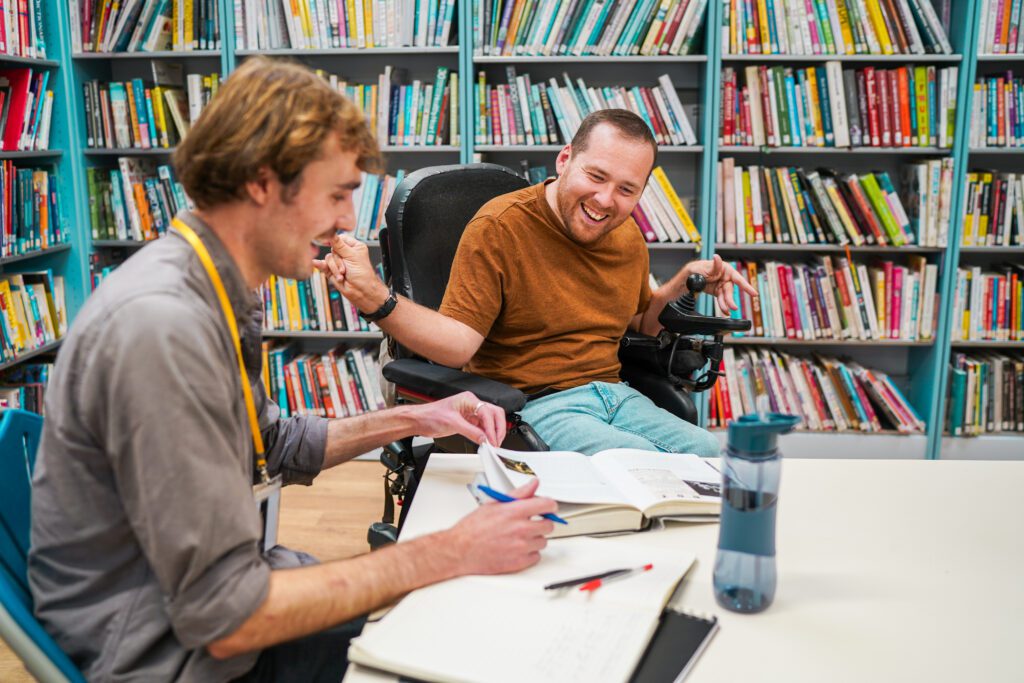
(384, 310)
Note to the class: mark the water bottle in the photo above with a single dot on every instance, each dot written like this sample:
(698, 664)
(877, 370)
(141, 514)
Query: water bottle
(745, 576)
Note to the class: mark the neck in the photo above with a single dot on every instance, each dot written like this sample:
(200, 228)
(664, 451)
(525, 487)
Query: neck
(551, 194)
(232, 224)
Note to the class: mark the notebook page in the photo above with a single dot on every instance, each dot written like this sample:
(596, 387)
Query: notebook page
(507, 628)
(565, 476)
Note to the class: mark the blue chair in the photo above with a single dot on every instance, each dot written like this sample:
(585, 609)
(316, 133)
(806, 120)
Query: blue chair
(19, 439)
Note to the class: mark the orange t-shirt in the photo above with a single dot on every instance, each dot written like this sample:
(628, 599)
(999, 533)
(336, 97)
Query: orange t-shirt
(551, 311)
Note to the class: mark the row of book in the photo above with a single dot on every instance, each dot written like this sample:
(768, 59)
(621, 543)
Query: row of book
(308, 305)
(587, 27)
(908, 106)
(997, 112)
(339, 383)
(371, 201)
(144, 25)
(661, 213)
(32, 312)
(418, 114)
(989, 304)
(833, 27)
(789, 205)
(846, 300)
(132, 114)
(327, 24)
(21, 29)
(23, 387)
(1000, 29)
(828, 395)
(135, 201)
(994, 210)
(986, 394)
(30, 214)
(26, 109)
(520, 112)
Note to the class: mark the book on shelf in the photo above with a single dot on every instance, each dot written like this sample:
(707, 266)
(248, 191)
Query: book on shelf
(30, 212)
(993, 210)
(420, 113)
(620, 489)
(32, 311)
(339, 383)
(838, 299)
(996, 112)
(23, 387)
(521, 112)
(21, 28)
(986, 394)
(308, 305)
(661, 214)
(999, 30)
(371, 201)
(789, 205)
(829, 395)
(135, 201)
(332, 24)
(833, 27)
(587, 28)
(989, 304)
(828, 106)
(145, 25)
(26, 109)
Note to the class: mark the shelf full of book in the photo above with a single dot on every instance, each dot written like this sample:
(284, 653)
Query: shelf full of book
(616, 57)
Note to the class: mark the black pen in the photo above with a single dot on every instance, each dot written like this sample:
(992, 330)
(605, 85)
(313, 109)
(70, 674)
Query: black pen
(594, 577)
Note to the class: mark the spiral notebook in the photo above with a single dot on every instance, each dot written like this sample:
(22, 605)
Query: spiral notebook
(680, 639)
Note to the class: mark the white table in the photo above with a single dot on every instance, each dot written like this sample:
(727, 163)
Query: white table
(888, 570)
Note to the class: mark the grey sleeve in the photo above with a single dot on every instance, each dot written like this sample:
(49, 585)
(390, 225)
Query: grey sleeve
(295, 445)
(180, 459)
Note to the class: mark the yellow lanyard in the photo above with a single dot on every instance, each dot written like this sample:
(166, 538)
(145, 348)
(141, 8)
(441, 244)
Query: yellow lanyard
(229, 315)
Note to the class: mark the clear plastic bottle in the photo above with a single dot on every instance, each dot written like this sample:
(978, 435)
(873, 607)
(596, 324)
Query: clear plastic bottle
(745, 577)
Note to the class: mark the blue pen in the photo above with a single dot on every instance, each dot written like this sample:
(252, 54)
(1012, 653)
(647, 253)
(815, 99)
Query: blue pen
(503, 498)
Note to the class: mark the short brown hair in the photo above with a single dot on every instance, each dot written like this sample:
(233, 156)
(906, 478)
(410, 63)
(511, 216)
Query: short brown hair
(269, 113)
(628, 124)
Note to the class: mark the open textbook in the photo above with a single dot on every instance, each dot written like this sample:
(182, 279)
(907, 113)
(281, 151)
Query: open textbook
(508, 629)
(620, 489)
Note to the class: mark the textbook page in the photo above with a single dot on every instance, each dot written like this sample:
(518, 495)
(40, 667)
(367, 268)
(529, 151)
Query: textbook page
(648, 479)
(565, 476)
(508, 628)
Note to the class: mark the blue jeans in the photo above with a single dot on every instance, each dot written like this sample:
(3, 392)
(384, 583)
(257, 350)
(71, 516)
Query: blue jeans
(599, 415)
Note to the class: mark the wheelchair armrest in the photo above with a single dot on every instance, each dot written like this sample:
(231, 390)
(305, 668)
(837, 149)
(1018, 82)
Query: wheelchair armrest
(677, 320)
(438, 381)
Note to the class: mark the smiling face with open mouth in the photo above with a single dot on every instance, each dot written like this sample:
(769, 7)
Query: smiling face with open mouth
(599, 187)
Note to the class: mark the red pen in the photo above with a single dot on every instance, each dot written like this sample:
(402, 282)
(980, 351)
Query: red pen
(597, 583)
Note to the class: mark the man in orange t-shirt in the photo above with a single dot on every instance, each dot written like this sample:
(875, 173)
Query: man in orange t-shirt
(545, 282)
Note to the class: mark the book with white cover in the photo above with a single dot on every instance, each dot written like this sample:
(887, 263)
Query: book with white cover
(620, 489)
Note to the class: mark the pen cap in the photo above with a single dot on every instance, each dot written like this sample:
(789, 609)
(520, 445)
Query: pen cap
(755, 434)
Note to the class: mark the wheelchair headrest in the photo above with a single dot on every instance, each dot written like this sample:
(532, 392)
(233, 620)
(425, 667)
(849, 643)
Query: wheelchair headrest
(425, 219)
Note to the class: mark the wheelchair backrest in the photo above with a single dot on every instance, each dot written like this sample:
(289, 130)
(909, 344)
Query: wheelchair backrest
(425, 219)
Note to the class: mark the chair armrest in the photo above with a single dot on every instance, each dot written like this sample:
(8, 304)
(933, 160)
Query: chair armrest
(437, 381)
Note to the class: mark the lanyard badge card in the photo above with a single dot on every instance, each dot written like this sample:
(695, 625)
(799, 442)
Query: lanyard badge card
(266, 492)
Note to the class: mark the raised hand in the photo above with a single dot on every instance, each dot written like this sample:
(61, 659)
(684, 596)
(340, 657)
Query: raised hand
(721, 277)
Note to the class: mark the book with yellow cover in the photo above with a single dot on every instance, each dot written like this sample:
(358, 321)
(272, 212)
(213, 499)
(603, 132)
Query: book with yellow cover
(677, 204)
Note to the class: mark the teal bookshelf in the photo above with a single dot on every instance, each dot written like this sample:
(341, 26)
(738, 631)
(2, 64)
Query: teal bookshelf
(922, 367)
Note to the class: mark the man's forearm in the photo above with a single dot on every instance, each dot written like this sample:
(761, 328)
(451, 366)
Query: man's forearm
(310, 599)
(348, 437)
(660, 298)
(431, 334)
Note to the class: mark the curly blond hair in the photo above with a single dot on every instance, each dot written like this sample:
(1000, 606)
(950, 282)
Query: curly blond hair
(269, 113)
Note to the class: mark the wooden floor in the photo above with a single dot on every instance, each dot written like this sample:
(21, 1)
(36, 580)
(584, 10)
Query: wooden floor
(328, 520)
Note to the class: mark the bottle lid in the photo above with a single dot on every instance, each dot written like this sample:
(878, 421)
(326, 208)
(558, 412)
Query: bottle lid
(758, 433)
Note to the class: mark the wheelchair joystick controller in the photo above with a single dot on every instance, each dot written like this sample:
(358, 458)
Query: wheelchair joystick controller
(695, 284)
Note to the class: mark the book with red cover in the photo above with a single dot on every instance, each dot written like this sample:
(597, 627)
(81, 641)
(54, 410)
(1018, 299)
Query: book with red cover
(19, 81)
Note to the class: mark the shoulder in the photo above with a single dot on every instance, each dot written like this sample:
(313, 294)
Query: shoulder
(510, 207)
